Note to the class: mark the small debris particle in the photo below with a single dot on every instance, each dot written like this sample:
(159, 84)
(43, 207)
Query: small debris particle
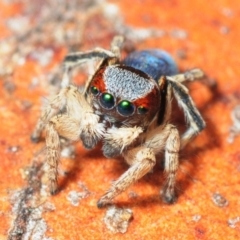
(75, 197)
(110, 10)
(49, 207)
(42, 56)
(132, 194)
(181, 54)
(196, 218)
(117, 219)
(18, 24)
(25, 104)
(224, 30)
(227, 12)
(9, 86)
(199, 232)
(219, 200)
(179, 34)
(13, 149)
(233, 221)
(235, 128)
(68, 151)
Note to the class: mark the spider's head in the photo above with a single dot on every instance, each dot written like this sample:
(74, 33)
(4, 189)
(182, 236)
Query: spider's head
(123, 94)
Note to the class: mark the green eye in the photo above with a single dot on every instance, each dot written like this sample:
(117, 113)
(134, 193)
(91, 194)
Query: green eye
(94, 90)
(125, 108)
(142, 110)
(107, 100)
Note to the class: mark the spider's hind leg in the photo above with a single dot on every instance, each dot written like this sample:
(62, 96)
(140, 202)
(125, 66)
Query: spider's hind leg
(194, 118)
(107, 57)
(77, 58)
(188, 76)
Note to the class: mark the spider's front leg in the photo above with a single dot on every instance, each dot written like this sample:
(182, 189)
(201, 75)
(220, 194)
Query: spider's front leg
(142, 160)
(67, 127)
(59, 125)
(78, 122)
(142, 163)
(166, 137)
(171, 165)
(56, 104)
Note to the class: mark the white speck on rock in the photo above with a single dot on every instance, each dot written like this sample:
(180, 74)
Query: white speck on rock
(75, 197)
(117, 219)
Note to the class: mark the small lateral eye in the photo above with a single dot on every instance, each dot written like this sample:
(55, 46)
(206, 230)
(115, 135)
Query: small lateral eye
(125, 108)
(107, 100)
(142, 110)
(94, 90)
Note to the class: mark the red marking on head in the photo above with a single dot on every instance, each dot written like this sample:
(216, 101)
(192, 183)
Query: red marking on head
(151, 101)
(98, 80)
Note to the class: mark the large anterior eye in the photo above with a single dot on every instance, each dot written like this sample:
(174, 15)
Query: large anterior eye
(125, 108)
(107, 100)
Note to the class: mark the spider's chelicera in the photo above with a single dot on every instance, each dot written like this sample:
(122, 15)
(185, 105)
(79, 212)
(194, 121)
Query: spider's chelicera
(126, 105)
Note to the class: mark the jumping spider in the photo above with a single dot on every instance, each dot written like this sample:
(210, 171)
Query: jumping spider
(126, 105)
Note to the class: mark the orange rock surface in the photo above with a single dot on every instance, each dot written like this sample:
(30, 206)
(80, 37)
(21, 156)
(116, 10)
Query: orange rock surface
(197, 33)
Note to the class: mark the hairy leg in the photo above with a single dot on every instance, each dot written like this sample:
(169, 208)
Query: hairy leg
(77, 107)
(66, 127)
(79, 122)
(194, 118)
(142, 163)
(188, 76)
(171, 165)
(166, 137)
(56, 104)
(77, 58)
